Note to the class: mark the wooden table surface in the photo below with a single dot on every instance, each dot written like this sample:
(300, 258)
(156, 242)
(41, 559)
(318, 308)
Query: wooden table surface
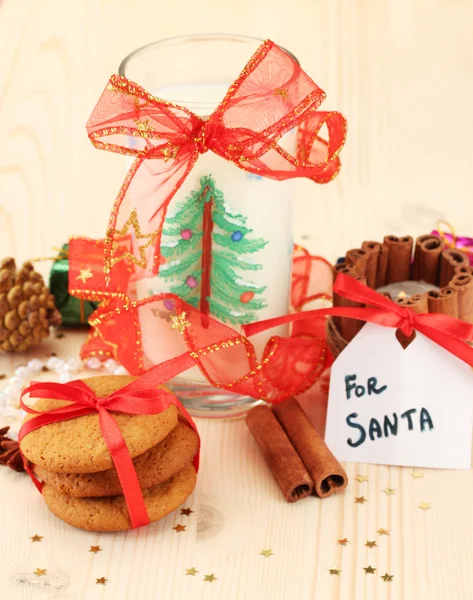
(402, 73)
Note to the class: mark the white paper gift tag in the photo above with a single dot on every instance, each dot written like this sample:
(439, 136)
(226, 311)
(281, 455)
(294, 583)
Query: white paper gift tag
(394, 406)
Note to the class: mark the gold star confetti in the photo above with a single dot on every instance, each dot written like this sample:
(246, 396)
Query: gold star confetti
(360, 500)
(186, 511)
(334, 571)
(371, 544)
(369, 570)
(39, 572)
(387, 577)
(417, 474)
(361, 478)
(144, 128)
(266, 553)
(170, 151)
(210, 577)
(2, 376)
(95, 549)
(424, 506)
(343, 542)
(84, 275)
(180, 322)
(179, 528)
(191, 571)
(382, 531)
(389, 491)
(133, 223)
(37, 538)
(101, 581)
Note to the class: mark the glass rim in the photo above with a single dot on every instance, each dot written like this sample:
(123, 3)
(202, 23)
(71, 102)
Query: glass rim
(196, 37)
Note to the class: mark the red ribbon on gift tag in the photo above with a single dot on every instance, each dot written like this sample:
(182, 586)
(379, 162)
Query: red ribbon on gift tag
(444, 330)
(140, 397)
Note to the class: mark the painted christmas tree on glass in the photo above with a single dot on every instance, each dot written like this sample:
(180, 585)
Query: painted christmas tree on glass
(204, 245)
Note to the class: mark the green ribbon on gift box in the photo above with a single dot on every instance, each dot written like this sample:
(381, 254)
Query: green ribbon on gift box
(74, 311)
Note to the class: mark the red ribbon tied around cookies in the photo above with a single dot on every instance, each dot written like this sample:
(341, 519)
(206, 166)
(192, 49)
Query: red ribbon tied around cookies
(271, 97)
(444, 330)
(141, 397)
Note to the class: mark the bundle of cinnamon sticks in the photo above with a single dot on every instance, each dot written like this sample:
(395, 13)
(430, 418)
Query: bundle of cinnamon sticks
(380, 264)
(296, 454)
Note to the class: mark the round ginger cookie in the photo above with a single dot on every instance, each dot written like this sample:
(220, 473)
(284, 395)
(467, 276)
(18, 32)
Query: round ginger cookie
(77, 445)
(155, 466)
(111, 514)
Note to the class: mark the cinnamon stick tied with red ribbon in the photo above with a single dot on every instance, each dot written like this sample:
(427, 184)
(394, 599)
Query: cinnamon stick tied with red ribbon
(373, 250)
(284, 463)
(348, 327)
(428, 250)
(399, 259)
(417, 303)
(444, 301)
(358, 258)
(450, 261)
(463, 284)
(343, 267)
(328, 475)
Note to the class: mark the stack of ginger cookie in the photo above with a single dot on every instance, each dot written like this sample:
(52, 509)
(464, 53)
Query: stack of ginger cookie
(80, 483)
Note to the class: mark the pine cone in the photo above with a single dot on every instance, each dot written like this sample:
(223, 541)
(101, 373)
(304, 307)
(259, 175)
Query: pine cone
(10, 452)
(27, 308)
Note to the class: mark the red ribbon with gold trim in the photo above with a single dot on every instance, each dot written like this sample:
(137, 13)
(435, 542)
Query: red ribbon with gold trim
(271, 96)
(141, 397)
(444, 330)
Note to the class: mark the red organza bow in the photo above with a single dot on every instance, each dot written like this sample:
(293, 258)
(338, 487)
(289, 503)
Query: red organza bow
(141, 397)
(271, 96)
(442, 329)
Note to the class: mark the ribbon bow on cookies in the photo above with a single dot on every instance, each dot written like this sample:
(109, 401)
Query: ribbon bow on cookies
(141, 397)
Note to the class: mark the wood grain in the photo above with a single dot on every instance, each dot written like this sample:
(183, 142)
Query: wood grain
(402, 74)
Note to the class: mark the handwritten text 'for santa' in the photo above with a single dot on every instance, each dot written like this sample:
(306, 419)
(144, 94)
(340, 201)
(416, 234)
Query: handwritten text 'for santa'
(389, 425)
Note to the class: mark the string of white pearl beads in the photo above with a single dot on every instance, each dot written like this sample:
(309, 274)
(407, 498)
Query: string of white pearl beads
(65, 369)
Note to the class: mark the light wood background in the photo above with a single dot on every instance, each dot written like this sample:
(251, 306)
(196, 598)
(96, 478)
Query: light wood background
(401, 71)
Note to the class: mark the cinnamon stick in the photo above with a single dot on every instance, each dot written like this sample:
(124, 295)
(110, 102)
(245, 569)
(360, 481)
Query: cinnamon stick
(463, 284)
(450, 260)
(327, 473)
(463, 270)
(335, 341)
(399, 259)
(415, 276)
(373, 249)
(358, 258)
(348, 328)
(418, 303)
(284, 462)
(427, 254)
(343, 267)
(382, 266)
(444, 301)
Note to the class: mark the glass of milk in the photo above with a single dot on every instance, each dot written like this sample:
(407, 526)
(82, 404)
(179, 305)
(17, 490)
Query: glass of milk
(252, 222)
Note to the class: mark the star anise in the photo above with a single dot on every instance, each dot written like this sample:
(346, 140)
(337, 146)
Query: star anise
(10, 452)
